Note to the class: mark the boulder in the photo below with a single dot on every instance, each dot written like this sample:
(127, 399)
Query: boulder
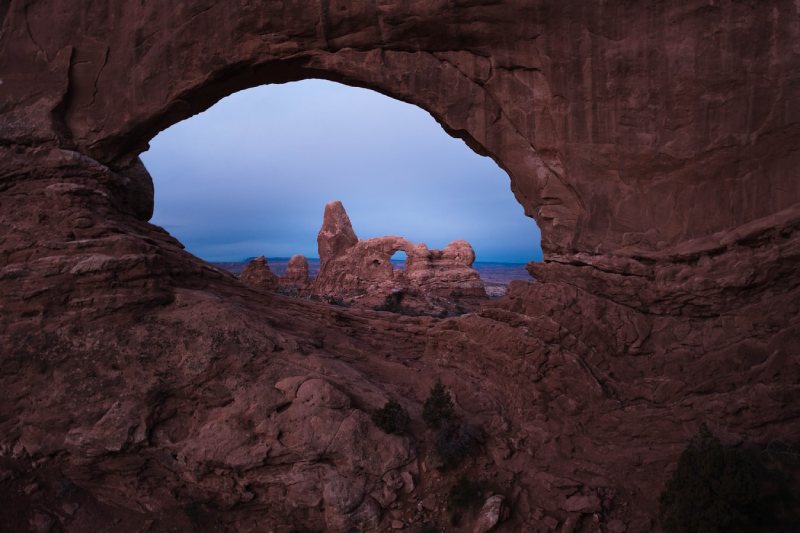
(493, 512)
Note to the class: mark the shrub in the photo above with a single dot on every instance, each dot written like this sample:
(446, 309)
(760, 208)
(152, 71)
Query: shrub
(392, 418)
(463, 495)
(196, 514)
(718, 488)
(428, 527)
(393, 303)
(335, 300)
(438, 407)
(455, 442)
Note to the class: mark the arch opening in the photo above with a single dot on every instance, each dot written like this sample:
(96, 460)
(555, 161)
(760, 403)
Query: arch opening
(228, 181)
(399, 260)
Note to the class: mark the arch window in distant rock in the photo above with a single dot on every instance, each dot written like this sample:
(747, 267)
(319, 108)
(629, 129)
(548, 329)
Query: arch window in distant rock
(399, 259)
(251, 175)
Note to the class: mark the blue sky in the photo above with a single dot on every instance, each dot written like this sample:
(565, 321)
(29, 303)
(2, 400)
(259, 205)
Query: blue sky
(251, 175)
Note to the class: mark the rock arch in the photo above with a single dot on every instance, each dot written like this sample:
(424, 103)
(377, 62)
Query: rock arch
(505, 78)
(655, 147)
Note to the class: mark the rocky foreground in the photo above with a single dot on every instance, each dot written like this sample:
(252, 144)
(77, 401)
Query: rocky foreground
(145, 390)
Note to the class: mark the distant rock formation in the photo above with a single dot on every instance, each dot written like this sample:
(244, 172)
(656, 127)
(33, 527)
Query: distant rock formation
(350, 267)
(336, 236)
(296, 275)
(257, 274)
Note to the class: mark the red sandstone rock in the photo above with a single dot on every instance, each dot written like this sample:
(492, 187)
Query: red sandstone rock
(654, 144)
(351, 267)
(445, 272)
(257, 274)
(336, 236)
(494, 511)
(296, 275)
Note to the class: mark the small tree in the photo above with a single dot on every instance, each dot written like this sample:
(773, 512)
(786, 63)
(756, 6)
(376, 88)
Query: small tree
(718, 488)
(438, 407)
(392, 418)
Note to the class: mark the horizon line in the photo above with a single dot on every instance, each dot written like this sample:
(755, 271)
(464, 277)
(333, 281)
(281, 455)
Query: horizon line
(282, 258)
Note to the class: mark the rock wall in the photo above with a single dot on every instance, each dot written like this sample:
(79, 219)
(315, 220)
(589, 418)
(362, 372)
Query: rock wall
(654, 143)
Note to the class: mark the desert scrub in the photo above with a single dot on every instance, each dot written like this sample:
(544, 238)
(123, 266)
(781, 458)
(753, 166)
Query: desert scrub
(392, 418)
(717, 488)
(438, 408)
(393, 303)
(463, 495)
(455, 441)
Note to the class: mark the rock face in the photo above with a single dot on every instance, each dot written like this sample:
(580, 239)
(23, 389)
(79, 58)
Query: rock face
(336, 236)
(296, 276)
(257, 274)
(350, 267)
(445, 272)
(655, 143)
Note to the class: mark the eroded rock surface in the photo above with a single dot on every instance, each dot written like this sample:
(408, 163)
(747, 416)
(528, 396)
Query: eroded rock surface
(296, 276)
(655, 143)
(257, 274)
(351, 267)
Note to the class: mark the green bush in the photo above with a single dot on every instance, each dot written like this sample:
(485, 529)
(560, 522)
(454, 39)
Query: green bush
(438, 408)
(392, 418)
(718, 488)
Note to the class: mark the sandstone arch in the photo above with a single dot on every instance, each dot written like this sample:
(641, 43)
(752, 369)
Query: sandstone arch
(475, 82)
(655, 146)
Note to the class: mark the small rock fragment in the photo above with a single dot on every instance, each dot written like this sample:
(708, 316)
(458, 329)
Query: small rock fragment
(550, 522)
(582, 503)
(492, 512)
(408, 482)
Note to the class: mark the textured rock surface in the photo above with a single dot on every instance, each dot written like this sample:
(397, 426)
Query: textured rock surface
(655, 144)
(296, 276)
(257, 274)
(336, 236)
(445, 272)
(490, 514)
(351, 267)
